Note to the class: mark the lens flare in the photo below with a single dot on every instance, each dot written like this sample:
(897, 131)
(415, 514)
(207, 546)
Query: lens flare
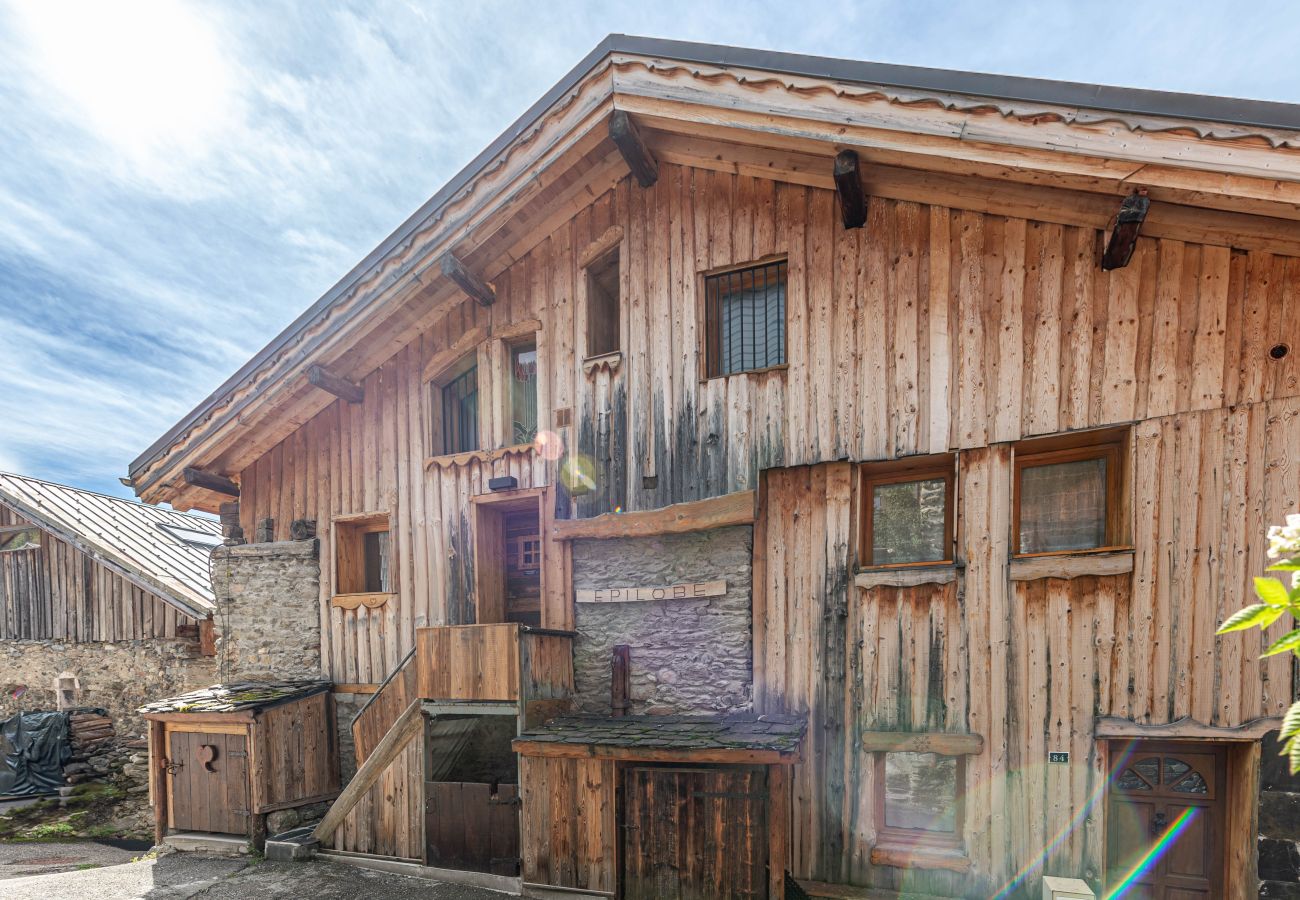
(578, 473)
(548, 445)
(1152, 856)
(1066, 830)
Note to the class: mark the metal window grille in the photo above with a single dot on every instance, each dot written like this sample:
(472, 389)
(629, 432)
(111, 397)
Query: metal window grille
(460, 413)
(747, 318)
(377, 545)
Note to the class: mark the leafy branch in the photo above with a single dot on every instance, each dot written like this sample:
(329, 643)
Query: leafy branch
(1276, 600)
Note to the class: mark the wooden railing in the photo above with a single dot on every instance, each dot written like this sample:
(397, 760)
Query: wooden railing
(502, 662)
(383, 708)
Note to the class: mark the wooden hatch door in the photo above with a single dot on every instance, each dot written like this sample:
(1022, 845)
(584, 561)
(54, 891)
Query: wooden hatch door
(694, 833)
(1165, 822)
(209, 782)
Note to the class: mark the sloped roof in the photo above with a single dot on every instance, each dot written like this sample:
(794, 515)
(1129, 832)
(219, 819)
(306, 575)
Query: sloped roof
(1276, 123)
(236, 697)
(145, 544)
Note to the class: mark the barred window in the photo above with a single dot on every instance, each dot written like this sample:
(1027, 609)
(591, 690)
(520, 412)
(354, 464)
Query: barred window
(746, 318)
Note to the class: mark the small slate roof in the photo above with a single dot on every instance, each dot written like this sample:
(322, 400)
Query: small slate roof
(160, 550)
(774, 733)
(238, 696)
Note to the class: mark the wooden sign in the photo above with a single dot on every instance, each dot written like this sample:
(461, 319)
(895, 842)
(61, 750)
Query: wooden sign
(693, 591)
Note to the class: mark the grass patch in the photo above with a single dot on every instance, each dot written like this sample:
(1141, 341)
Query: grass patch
(87, 815)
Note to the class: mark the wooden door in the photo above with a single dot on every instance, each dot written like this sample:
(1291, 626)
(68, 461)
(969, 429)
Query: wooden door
(209, 782)
(1165, 822)
(473, 827)
(694, 834)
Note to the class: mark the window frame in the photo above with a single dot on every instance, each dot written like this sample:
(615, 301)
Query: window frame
(510, 347)
(438, 384)
(351, 530)
(1109, 445)
(927, 468)
(710, 320)
(913, 839)
(601, 262)
(7, 530)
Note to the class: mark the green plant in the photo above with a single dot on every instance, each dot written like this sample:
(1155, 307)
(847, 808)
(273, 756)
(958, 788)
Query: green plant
(1276, 601)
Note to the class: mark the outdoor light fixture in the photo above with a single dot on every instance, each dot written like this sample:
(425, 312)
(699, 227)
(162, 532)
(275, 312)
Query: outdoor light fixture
(1132, 212)
(504, 483)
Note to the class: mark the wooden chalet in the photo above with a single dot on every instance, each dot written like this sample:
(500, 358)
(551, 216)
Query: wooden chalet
(990, 384)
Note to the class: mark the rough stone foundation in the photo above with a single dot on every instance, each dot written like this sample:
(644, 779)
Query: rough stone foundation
(1279, 826)
(688, 656)
(268, 610)
(119, 677)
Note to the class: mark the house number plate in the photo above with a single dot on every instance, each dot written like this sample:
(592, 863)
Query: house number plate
(1058, 756)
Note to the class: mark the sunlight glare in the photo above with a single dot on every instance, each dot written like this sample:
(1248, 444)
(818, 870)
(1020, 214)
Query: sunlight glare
(146, 76)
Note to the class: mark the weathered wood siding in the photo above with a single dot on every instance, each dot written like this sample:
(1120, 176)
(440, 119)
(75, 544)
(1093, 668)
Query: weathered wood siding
(389, 819)
(928, 330)
(568, 822)
(57, 592)
(1028, 665)
(295, 753)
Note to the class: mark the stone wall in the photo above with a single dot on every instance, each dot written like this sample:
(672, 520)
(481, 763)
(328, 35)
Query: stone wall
(268, 610)
(1279, 826)
(688, 656)
(119, 677)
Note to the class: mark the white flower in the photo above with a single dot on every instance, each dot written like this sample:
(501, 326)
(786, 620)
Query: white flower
(1284, 540)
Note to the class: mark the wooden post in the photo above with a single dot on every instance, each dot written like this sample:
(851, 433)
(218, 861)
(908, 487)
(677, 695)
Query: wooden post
(778, 828)
(158, 779)
(478, 289)
(620, 682)
(848, 187)
(209, 481)
(335, 384)
(637, 155)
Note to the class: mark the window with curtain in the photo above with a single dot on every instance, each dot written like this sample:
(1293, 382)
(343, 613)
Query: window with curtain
(523, 392)
(459, 407)
(746, 318)
(1067, 499)
(907, 513)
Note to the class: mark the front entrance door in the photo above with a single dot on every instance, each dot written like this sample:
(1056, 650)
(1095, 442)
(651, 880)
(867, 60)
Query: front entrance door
(209, 782)
(694, 834)
(1165, 821)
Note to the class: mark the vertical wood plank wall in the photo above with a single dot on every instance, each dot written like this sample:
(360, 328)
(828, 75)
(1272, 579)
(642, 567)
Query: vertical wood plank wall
(56, 592)
(1026, 664)
(389, 819)
(930, 329)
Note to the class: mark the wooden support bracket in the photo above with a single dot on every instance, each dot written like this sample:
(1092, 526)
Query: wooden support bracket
(477, 289)
(628, 140)
(849, 189)
(208, 481)
(335, 384)
(1123, 240)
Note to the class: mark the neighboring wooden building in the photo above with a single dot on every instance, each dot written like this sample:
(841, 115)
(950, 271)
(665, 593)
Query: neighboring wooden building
(990, 381)
(103, 602)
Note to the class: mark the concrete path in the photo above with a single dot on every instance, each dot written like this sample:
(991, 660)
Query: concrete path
(177, 876)
(22, 859)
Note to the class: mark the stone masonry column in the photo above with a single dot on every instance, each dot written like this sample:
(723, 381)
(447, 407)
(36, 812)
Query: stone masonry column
(268, 610)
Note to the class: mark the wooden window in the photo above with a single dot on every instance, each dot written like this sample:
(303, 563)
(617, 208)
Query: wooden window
(907, 512)
(20, 538)
(1068, 496)
(523, 392)
(603, 305)
(363, 552)
(455, 402)
(919, 800)
(745, 318)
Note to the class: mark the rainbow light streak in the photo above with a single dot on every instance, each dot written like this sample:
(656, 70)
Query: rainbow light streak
(1037, 862)
(1152, 856)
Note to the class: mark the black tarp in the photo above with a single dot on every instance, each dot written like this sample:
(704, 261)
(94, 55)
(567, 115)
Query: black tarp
(33, 750)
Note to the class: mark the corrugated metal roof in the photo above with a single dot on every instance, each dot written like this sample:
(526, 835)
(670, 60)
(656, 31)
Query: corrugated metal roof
(146, 544)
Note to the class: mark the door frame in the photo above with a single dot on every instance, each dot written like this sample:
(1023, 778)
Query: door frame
(1239, 803)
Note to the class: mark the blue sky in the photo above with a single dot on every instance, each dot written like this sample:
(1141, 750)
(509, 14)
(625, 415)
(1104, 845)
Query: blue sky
(179, 180)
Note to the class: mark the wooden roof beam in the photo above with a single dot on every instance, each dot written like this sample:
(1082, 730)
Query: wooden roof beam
(1124, 238)
(210, 481)
(476, 288)
(335, 384)
(847, 172)
(623, 132)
